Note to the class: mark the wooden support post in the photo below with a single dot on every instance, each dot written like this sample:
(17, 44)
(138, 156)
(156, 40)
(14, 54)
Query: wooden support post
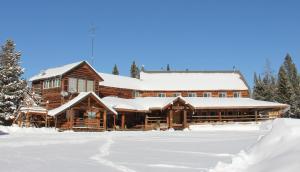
(220, 116)
(104, 119)
(171, 119)
(146, 121)
(55, 125)
(27, 123)
(123, 121)
(168, 120)
(114, 121)
(20, 119)
(46, 121)
(184, 119)
(256, 113)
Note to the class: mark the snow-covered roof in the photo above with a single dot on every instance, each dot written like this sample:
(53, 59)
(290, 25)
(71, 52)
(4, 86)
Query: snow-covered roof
(33, 109)
(74, 101)
(118, 81)
(58, 71)
(148, 103)
(177, 81)
(193, 81)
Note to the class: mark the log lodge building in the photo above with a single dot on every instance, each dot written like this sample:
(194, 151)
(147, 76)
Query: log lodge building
(77, 97)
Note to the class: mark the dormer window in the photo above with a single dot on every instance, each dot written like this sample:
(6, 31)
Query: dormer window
(51, 83)
(80, 85)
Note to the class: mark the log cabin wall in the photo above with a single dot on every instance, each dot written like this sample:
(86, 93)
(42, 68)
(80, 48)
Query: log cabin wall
(111, 91)
(53, 95)
(244, 93)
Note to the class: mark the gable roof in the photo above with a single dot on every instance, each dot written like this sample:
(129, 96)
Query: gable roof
(76, 100)
(59, 71)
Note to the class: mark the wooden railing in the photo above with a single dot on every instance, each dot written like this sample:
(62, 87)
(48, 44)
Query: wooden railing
(224, 118)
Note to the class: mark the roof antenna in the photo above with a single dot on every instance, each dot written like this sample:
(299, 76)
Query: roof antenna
(92, 31)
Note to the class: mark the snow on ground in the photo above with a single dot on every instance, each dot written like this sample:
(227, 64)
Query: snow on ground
(201, 150)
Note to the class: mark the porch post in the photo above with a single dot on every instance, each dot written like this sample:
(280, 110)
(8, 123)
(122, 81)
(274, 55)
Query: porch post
(220, 116)
(184, 119)
(114, 121)
(27, 120)
(146, 121)
(20, 118)
(46, 120)
(71, 118)
(123, 121)
(171, 119)
(104, 119)
(255, 112)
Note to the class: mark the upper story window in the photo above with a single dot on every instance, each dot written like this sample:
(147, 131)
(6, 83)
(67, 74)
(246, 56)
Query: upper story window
(136, 93)
(222, 94)
(51, 83)
(237, 94)
(161, 95)
(207, 94)
(192, 95)
(176, 94)
(80, 85)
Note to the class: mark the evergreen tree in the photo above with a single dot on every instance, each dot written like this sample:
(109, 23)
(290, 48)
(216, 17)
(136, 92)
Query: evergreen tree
(12, 87)
(115, 70)
(134, 70)
(284, 88)
(293, 78)
(168, 67)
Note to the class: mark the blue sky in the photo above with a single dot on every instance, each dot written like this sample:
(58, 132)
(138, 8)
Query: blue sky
(193, 34)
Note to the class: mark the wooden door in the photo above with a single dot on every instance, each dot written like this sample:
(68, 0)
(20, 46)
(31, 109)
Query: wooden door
(177, 117)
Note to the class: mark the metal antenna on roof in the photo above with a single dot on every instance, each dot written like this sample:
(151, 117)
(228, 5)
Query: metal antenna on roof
(92, 35)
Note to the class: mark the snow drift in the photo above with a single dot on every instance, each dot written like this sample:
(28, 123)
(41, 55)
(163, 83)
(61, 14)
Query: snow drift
(277, 151)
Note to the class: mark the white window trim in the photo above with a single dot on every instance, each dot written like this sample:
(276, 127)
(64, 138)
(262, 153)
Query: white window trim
(238, 93)
(161, 94)
(207, 93)
(192, 93)
(222, 93)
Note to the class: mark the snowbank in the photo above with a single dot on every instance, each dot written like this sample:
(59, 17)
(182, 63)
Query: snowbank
(277, 151)
(19, 130)
(247, 126)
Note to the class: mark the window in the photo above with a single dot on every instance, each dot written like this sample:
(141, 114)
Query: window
(161, 94)
(207, 94)
(136, 93)
(51, 83)
(72, 85)
(192, 95)
(222, 94)
(176, 94)
(237, 94)
(90, 85)
(81, 85)
(91, 115)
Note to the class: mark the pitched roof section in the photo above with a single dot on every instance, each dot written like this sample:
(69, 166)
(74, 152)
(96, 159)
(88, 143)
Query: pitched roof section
(180, 81)
(118, 81)
(150, 103)
(59, 71)
(76, 100)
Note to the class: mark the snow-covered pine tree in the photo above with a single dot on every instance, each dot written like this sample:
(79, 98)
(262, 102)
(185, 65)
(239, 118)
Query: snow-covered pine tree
(134, 70)
(12, 87)
(115, 70)
(284, 88)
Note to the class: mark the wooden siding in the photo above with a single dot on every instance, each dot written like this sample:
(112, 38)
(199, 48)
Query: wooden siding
(111, 91)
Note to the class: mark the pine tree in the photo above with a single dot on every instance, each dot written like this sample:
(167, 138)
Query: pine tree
(168, 67)
(284, 88)
(115, 70)
(12, 87)
(293, 78)
(134, 70)
(258, 88)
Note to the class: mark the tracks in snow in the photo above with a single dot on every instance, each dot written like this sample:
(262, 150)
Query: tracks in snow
(104, 152)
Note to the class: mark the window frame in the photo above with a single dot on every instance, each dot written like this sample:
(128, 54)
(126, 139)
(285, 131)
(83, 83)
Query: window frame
(161, 94)
(207, 93)
(191, 93)
(222, 94)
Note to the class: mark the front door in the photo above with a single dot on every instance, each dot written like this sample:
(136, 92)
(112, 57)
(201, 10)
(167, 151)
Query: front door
(178, 117)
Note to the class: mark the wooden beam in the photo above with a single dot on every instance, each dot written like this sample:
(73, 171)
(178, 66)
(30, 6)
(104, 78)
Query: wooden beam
(171, 119)
(27, 120)
(114, 121)
(256, 113)
(220, 116)
(123, 121)
(104, 119)
(184, 119)
(146, 121)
